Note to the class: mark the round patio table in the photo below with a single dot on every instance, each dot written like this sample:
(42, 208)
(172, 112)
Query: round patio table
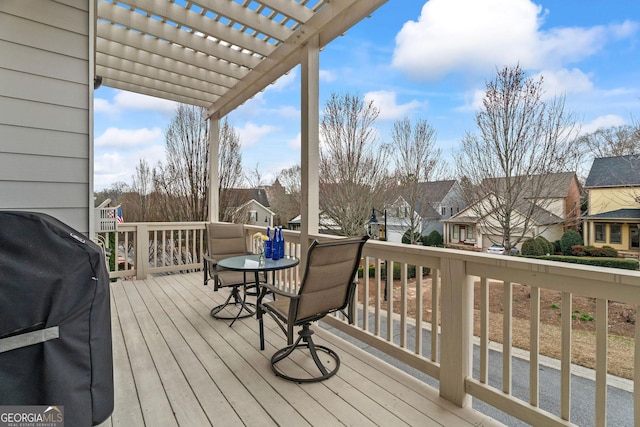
(252, 264)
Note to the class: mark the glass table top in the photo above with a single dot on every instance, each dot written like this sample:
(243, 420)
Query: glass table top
(252, 263)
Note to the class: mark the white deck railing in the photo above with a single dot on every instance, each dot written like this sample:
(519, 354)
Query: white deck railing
(170, 247)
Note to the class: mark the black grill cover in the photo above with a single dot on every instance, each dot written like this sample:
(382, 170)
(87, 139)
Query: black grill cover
(51, 275)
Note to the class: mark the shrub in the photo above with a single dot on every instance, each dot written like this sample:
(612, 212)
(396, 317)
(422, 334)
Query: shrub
(578, 250)
(433, 239)
(532, 247)
(546, 245)
(557, 249)
(609, 252)
(406, 239)
(569, 238)
(624, 263)
(591, 250)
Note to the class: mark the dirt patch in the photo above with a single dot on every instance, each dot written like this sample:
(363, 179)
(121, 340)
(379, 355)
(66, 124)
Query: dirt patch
(622, 319)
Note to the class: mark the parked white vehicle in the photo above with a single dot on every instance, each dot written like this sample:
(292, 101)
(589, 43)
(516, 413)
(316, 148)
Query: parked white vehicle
(500, 250)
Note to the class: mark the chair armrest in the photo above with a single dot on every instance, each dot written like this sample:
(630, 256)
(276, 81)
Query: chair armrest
(265, 288)
(270, 288)
(210, 260)
(210, 268)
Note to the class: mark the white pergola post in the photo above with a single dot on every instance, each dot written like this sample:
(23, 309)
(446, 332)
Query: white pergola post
(310, 144)
(214, 173)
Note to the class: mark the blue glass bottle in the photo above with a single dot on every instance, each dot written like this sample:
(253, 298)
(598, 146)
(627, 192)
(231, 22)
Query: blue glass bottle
(275, 251)
(267, 245)
(281, 243)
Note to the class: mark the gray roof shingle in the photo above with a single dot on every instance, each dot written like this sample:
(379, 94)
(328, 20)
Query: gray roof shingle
(618, 214)
(614, 172)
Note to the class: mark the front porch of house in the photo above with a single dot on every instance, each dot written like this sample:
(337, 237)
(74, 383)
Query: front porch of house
(176, 365)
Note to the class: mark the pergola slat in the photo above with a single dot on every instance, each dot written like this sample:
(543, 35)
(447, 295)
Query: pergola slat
(213, 53)
(108, 49)
(178, 36)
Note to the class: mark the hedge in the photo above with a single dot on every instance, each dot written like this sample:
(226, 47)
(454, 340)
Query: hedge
(623, 263)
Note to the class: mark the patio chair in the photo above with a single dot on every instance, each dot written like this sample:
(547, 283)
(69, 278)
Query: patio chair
(224, 241)
(328, 285)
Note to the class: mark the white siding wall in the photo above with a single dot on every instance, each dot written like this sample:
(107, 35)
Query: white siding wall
(45, 108)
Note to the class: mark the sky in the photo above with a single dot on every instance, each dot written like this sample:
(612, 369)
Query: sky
(418, 59)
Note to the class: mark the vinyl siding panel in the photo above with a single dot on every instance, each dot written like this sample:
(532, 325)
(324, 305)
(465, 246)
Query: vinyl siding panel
(40, 89)
(31, 60)
(36, 168)
(40, 35)
(33, 114)
(45, 142)
(45, 132)
(46, 195)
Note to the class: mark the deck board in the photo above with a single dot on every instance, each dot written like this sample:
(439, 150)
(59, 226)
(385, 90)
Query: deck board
(175, 365)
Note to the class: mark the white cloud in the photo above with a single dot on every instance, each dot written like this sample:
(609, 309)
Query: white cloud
(283, 82)
(554, 83)
(251, 133)
(608, 120)
(480, 35)
(122, 138)
(386, 102)
(127, 101)
(286, 111)
(561, 82)
(121, 166)
(473, 101)
(327, 76)
(103, 106)
(258, 108)
(296, 142)
(136, 101)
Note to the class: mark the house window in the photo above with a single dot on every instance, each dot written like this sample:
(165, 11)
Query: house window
(254, 216)
(615, 235)
(443, 210)
(456, 231)
(469, 233)
(600, 233)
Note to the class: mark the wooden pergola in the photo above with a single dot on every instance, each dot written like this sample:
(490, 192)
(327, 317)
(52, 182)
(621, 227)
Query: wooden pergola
(218, 54)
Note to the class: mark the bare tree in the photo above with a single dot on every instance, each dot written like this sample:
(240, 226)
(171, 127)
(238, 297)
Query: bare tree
(352, 168)
(183, 180)
(613, 141)
(139, 205)
(417, 160)
(254, 177)
(522, 141)
(181, 185)
(229, 167)
(285, 194)
(114, 192)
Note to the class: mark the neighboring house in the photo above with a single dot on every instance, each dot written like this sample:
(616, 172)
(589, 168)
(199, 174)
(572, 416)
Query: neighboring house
(295, 223)
(437, 201)
(398, 220)
(440, 201)
(248, 206)
(613, 212)
(556, 210)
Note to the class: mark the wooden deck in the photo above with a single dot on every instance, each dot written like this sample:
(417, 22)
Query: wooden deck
(175, 365)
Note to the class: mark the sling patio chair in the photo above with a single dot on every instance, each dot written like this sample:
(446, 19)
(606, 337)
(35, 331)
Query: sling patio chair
(223, 241)
(328, 285)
